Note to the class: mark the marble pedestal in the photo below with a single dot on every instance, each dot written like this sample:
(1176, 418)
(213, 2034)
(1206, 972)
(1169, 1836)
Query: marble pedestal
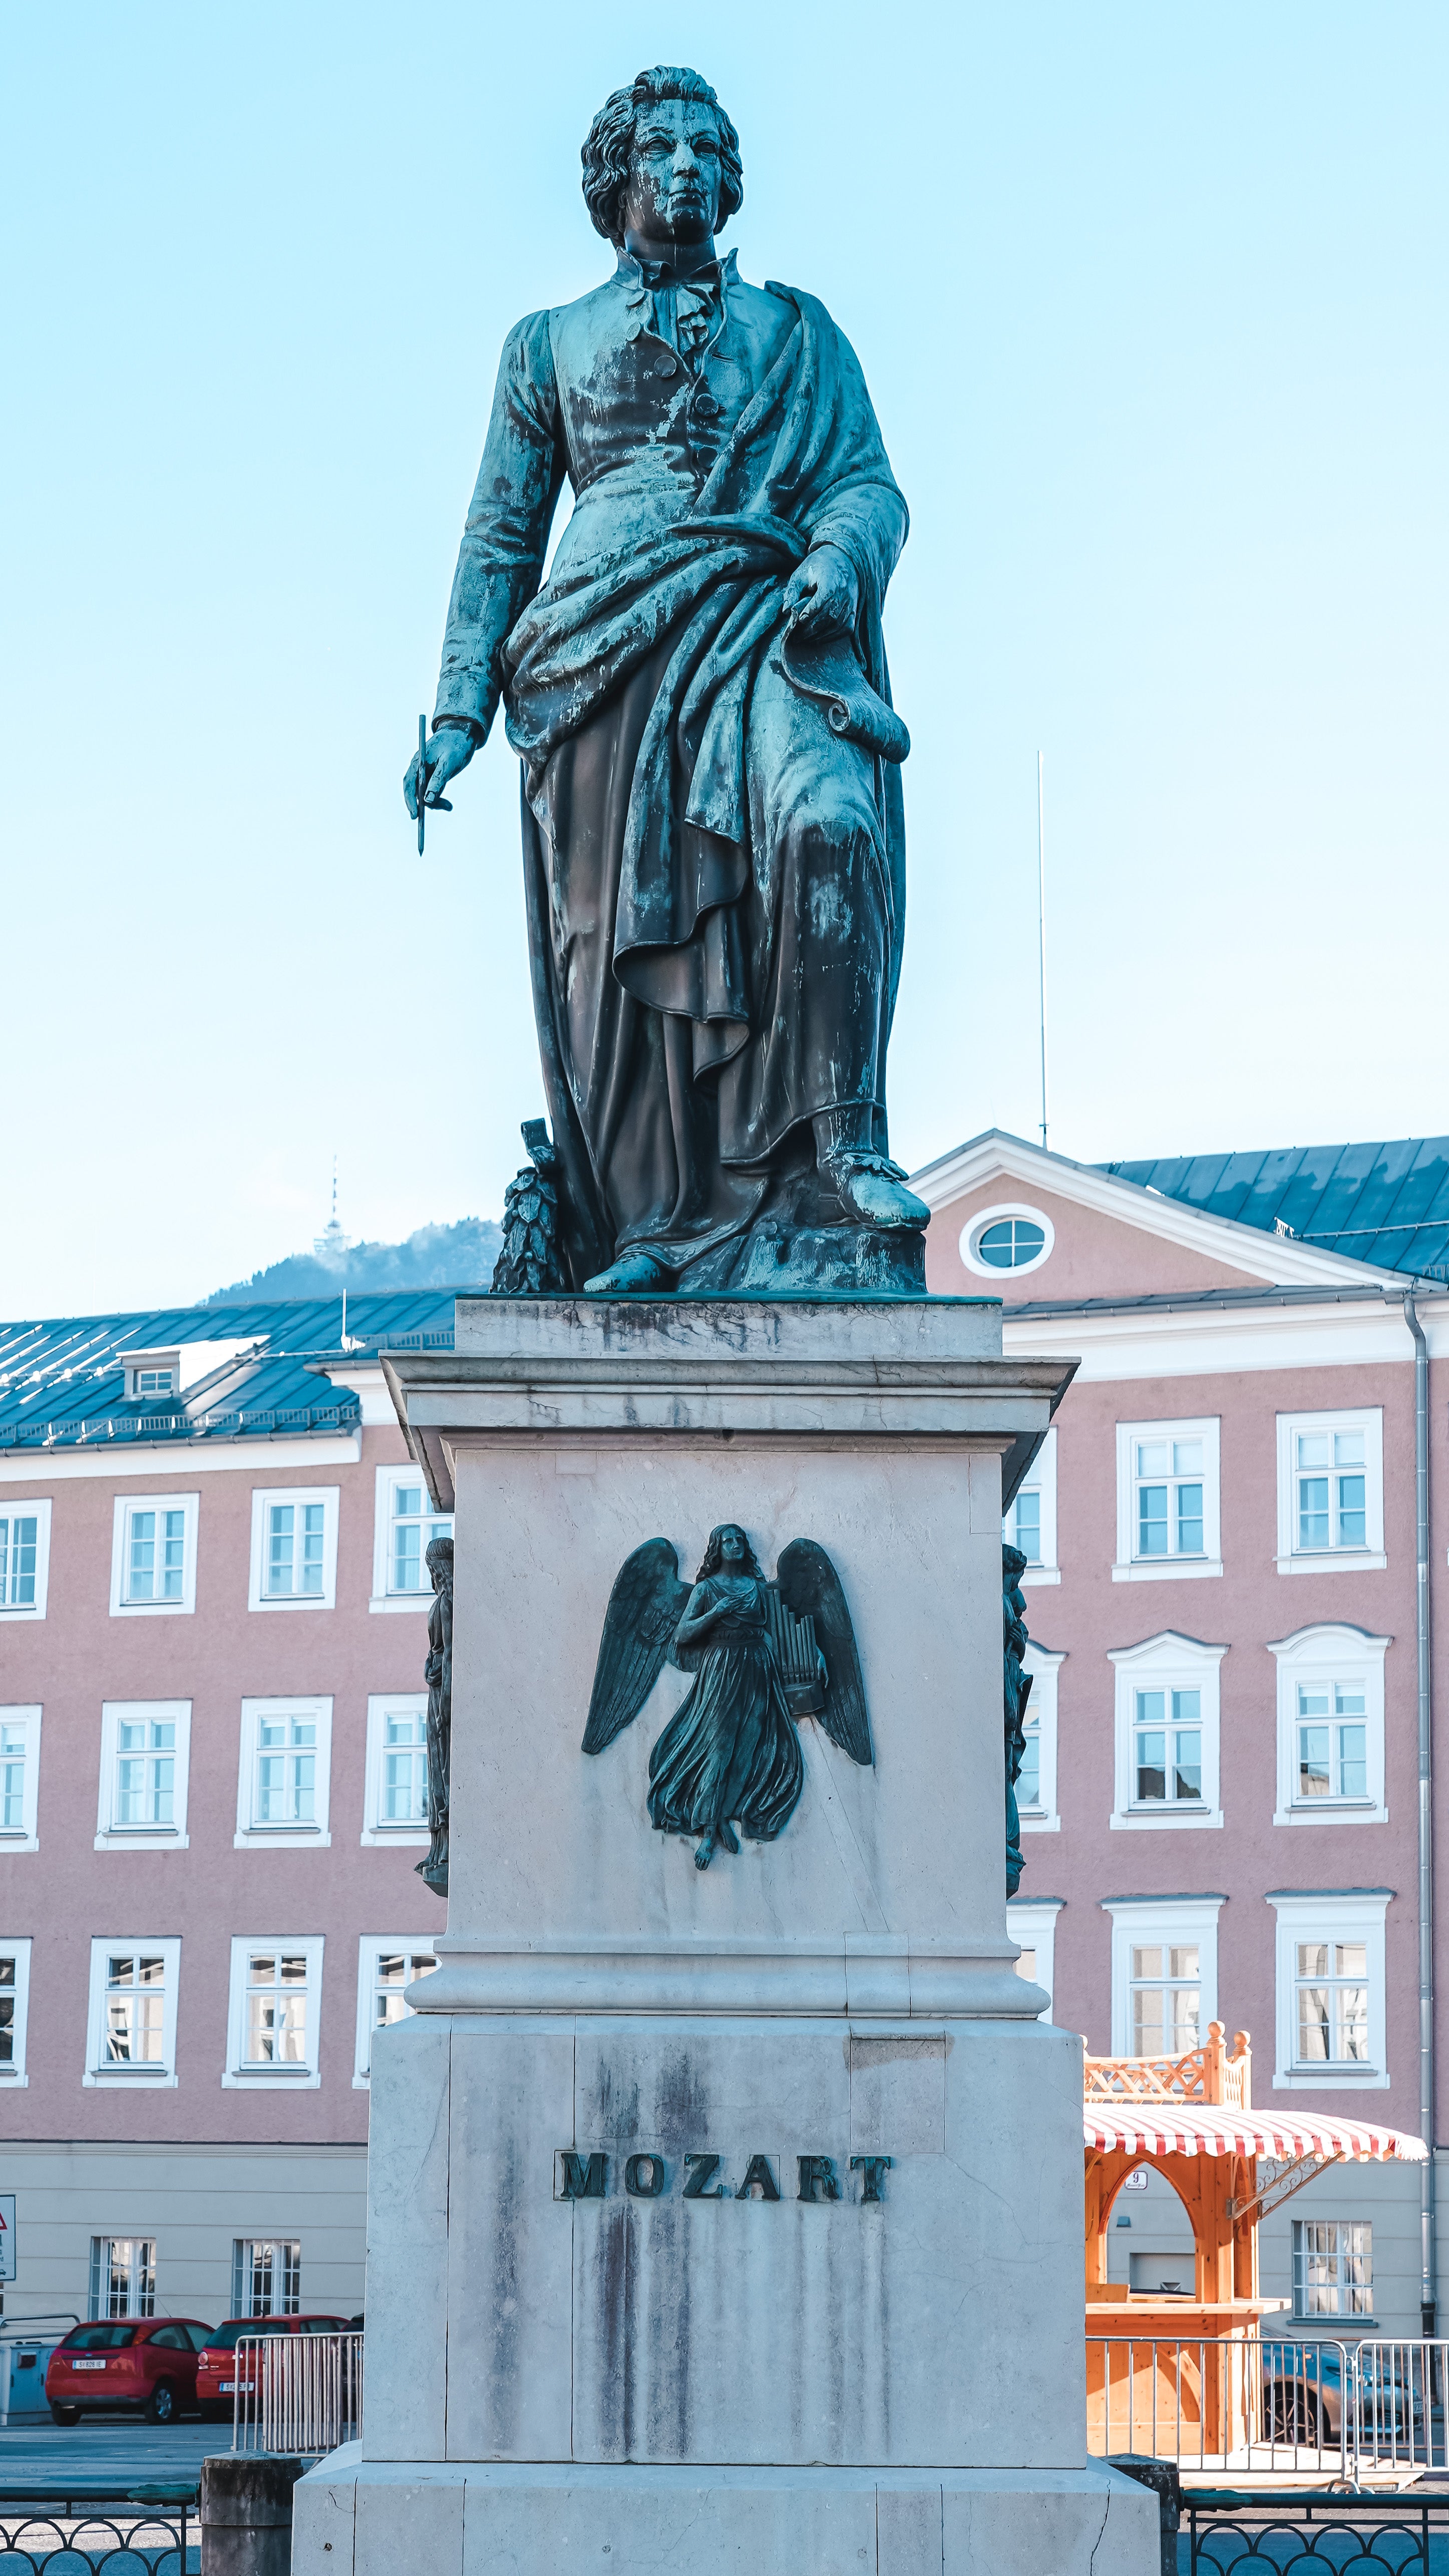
(729, 2216)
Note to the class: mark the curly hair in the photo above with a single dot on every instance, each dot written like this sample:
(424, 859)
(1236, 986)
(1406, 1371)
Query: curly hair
(713, 1556)
(605, 154)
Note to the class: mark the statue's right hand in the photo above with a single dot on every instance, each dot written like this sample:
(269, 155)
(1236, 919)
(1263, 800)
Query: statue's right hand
(449, 750)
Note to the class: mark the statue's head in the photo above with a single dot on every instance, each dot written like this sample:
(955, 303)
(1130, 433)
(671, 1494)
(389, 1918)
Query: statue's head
(438, 1559)
(729, 1552)
(662, 160)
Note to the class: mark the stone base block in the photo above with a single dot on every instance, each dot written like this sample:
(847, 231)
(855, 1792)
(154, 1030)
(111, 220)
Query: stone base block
(356, 2518)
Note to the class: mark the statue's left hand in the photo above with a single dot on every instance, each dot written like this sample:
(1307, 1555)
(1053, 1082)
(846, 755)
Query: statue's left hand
(822, 595)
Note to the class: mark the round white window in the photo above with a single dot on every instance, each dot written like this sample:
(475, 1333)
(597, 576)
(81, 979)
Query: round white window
(998, 1239)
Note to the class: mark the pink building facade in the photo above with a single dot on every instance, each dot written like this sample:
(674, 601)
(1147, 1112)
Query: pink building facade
(211, 1799)
(1220, 1806)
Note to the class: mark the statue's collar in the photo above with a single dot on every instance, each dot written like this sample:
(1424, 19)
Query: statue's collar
(655, 273)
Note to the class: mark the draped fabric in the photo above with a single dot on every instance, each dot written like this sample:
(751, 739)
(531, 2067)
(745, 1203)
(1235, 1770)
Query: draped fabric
(714, 878)
(730, 1752)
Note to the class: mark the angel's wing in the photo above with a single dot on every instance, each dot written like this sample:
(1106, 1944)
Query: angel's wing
(645, 1607)
(810, 1586)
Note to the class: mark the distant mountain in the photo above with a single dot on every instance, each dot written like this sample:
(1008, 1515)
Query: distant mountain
(437, 1256)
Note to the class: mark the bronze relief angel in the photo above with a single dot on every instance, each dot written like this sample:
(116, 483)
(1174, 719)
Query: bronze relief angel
(764, 1655)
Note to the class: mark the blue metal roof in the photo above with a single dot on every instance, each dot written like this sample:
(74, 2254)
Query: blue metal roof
(62, 1379)
(1387, 1204)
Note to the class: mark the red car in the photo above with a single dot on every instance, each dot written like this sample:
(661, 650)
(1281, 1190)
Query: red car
(143, 2362)
(216, 2369)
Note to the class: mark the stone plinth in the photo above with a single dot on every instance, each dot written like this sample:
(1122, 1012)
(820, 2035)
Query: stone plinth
(746, 2202)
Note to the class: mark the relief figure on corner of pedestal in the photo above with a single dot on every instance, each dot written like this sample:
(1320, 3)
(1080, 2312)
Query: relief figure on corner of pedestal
(763, 1655)
(713, 832)
(438, 1673)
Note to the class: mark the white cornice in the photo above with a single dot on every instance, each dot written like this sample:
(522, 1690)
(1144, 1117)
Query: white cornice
(1277, 1258)
(1215, 1341)
(159, 1460)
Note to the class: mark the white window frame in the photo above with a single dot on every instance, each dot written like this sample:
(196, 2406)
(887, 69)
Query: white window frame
(1043, 1664)
(1331, 1651)
(126, 1504)
(1032, 1923)
(388, 1480)
(372, 1947)
(19, 1951)
(1358, 2318)
(1132, 1568)
(381, 1705)
(274, 1837)
(10, 1510)
(237, 2076)
(243, 2253)
(107, 2078)
(114, 1714)
(263, 1497)
(1169, 1922)
(975, 1226)
(101, 2264)
(1368, 1559)
(1040, 1478)
(26, 1836)
(1167, 1662)
(1330, 1914)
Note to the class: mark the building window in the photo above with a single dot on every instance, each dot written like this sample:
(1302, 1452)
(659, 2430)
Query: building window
(153, 1563)
(123, 2276)
(145, 1759)
(1333, 2267)
(276, 1999)
(14, 2004)
(1166, 1998)
(1167, 1762)
(19, 1777)
(284, 1780)
(1031, 1522)
(155, 1381)
(1330, 1490)
(294, 1549)
(385, 1970)
(1330, 1727)
(396, 1789)
(1036, 1788)
(1034, 1925)
(1006, 1238)
(1330, 1961)
(1164, 1973)
(406, 1526)
(1167, 1748)
(266, 2276)
(24, 1559)
(1167, 1501)
(133, 2012)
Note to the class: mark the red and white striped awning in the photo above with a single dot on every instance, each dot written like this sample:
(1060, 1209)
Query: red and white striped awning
(1164, 2127)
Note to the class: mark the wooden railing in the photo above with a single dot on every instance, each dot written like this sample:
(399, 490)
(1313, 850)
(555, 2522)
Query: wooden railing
(1206, 2074)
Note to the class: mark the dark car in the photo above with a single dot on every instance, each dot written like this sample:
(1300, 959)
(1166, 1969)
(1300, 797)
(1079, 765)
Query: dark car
(216, 2371)
(147, 2364)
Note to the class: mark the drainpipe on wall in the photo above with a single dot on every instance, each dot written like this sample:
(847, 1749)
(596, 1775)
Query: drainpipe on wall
(1428, 2285)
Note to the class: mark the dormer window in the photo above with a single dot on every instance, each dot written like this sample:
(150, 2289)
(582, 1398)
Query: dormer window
(152, 1373)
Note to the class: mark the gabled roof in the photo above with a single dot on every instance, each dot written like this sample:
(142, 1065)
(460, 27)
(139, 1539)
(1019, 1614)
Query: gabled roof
(1117, 1190)
(1387, 1204)
(62, 1380)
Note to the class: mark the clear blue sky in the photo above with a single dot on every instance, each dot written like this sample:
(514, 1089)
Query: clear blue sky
(1151, 302)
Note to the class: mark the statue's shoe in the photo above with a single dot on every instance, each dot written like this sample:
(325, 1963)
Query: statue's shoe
(626, 1278)
(873, 1189)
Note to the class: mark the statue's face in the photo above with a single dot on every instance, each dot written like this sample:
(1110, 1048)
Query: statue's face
(674, 173)
(732, 1546)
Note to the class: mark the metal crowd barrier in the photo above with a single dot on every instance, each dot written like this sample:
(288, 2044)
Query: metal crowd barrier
(298, 2393)
(1295, 2405)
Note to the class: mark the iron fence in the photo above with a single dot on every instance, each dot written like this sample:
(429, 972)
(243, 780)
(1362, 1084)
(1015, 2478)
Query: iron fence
(54, 2528)
(297, 2393)
(1227, 2534)
(1318, 2406)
